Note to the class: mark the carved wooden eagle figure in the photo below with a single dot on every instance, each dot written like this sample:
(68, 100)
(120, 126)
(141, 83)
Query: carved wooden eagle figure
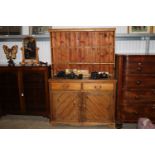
(10, 52)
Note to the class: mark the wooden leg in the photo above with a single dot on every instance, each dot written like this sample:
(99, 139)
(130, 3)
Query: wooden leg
(119, 125)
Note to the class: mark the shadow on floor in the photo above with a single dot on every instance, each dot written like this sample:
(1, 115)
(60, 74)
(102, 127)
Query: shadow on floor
(38, 122)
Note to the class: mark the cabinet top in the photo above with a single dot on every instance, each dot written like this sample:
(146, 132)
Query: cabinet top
(28, 66)
(146, 55)
(83, 29)
(81, 80)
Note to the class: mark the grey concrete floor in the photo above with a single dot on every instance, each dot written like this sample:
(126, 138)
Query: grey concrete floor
(38, 122)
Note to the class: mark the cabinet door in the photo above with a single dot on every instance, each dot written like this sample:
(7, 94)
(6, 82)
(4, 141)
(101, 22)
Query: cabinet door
(65, 106)
(98, 107)
(9, 93)
(34, 92)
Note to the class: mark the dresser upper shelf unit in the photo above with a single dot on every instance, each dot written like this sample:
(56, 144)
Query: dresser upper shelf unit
(83, 49)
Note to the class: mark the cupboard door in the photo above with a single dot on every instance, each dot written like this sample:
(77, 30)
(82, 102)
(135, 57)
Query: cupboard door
(98, 107)
(65, 106)
(34, 92)
(9, 93)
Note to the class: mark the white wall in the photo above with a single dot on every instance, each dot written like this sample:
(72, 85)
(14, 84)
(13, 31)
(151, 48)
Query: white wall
(125, 47)
(44, 51)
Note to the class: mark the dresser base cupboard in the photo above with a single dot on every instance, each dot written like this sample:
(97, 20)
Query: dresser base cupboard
(24, 90)
(136, 88)
(82, 102)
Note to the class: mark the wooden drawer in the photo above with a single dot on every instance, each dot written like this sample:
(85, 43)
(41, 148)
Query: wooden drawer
(131, 113)
(139, 82)
(140, 58)
(140, 68)
(65, 86)
(139, 96)
(98, 86)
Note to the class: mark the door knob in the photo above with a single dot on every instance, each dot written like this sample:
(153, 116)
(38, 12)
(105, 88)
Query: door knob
(138, 82)
(139, 69)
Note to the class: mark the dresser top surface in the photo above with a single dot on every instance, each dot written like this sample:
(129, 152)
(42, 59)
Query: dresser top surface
(18, 66)
(80, 80)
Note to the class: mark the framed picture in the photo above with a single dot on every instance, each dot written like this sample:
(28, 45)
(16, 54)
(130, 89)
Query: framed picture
(139, 29)
(38, 30)
(10, 30)
(29, 51)
(153, 29)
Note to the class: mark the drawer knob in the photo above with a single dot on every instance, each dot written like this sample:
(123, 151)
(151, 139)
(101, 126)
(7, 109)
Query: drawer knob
(137, 97)
(153, 90)
(22, 94)
(135, 113)
(98, 87)
(74, 103)
(138, 82)
(139, 69)
(139, 63)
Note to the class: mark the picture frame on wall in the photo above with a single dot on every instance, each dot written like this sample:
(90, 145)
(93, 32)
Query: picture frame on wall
(153, 29)
(39, 30)
(139, 29)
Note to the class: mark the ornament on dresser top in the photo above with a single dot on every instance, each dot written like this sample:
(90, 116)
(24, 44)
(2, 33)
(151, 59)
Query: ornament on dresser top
(79, 74)
(10, 54)
(99, 75)
(70, 75)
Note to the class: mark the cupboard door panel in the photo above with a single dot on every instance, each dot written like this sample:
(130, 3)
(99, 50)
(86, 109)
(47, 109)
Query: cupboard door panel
(34, 92)
(9, 93)
(65, 106)
(98, 107)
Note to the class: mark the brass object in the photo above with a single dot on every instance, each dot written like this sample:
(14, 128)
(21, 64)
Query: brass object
(10, 53)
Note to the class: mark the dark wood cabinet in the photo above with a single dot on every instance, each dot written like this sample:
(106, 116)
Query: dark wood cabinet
(24, 90)
(136, 87)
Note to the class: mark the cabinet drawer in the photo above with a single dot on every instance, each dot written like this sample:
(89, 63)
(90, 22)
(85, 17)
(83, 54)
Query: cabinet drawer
(131, 113)
(98, 86)
(140, 58)
(65, 86)
(140, 68)
(139, 82)
(139, 96)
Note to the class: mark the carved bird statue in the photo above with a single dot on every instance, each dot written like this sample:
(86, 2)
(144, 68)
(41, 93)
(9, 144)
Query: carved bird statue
(10, 53)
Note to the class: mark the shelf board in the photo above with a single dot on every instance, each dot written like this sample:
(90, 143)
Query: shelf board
(20, 37)
(119, 37)
(142, 36)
